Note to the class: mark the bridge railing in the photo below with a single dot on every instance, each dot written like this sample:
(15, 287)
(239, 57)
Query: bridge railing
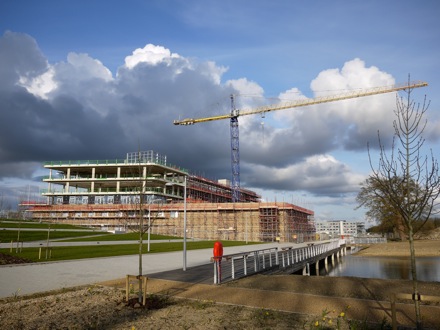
(237, 265)
(369, 240)
(234, 266)
(290, 256)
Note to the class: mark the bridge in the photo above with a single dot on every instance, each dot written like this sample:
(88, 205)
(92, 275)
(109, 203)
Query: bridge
(286, 260)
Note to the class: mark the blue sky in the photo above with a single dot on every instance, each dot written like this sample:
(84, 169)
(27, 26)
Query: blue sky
(66, 66)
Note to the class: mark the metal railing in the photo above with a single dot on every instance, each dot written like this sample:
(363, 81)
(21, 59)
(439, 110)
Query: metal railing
(238, 265)
(369, 240)
(111, 162)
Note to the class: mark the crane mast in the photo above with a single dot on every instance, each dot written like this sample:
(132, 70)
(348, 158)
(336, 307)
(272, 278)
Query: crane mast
(235, 153)
(235, 113)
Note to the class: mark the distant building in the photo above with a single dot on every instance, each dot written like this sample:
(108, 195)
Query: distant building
(340, 228)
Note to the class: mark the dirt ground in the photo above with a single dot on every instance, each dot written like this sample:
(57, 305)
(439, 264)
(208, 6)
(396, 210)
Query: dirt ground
(425, 248)
(256, 302)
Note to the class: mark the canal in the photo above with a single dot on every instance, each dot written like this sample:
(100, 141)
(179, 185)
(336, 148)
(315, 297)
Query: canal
(428, 268)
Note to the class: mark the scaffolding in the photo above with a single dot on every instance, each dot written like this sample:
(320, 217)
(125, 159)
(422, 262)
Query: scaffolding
(266, 222)
(115, 195)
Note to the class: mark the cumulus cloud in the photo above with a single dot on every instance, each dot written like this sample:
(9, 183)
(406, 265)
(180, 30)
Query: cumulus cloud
(76, 109)
(319, 175)
(20, 58)
(151, 55)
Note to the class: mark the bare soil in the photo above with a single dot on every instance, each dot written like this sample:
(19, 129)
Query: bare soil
(423, 248)
(6, 259)
(248, 303)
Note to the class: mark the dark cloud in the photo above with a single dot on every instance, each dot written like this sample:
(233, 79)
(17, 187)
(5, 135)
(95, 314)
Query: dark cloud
(76, 109)
(19, 58)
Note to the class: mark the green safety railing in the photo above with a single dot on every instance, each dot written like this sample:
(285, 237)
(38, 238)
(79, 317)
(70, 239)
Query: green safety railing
(108, 162)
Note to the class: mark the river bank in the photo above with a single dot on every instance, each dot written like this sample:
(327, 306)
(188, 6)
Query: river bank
(423, 248)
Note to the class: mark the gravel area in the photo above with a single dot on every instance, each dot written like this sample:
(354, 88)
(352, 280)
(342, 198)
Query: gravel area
(104, 307)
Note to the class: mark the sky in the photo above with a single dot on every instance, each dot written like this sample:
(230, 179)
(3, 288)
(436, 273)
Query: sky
(98, 79)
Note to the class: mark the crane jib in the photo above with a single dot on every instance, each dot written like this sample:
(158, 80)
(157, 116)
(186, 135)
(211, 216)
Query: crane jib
(305, 102)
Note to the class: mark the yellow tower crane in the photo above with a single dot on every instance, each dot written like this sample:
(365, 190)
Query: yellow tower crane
(235, 113)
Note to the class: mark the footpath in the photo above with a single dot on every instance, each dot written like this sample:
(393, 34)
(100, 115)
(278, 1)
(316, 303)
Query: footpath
(23, 279)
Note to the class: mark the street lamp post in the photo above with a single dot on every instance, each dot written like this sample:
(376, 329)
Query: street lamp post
(184, 225)
(149, 226)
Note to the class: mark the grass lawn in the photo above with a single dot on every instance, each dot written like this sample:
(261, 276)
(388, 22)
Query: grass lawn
(7, 236)
(82, 252)
(121, 237)
(34, 231)
(37, 225)
(74, 233)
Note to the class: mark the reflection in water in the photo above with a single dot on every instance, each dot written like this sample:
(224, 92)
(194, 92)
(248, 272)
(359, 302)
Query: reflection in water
(428, 268)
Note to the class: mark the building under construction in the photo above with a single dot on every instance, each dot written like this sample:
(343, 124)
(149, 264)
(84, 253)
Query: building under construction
(116, 194)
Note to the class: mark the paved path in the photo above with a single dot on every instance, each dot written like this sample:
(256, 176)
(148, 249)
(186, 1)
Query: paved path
(84, 243)
(46, 276)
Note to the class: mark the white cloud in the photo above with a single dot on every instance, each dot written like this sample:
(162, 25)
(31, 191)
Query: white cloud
(78, 69)
(150, 54)
(213, 71)
(353, 75)
(246, 87)
(84, 67)
(40, 85)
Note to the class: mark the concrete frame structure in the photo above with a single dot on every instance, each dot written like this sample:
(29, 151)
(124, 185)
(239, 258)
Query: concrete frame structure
(111, 194)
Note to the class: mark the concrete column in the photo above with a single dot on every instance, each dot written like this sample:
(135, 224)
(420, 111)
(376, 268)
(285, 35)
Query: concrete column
(67, 186)
(306, 270)
(118, 177)
(92, 185)
(49, 184)
(144, 174)
(317, 268)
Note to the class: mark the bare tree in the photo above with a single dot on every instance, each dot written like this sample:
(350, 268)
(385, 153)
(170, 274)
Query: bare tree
(405, 180)
(141, 207)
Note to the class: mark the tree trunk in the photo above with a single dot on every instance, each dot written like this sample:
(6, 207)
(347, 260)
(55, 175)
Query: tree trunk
(140, 255)
(414, 279)
(400, 228)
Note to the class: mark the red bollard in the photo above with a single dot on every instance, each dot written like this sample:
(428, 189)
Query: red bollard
(218, 254)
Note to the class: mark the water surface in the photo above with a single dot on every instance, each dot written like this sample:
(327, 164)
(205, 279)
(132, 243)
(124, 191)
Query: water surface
(428, 268)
